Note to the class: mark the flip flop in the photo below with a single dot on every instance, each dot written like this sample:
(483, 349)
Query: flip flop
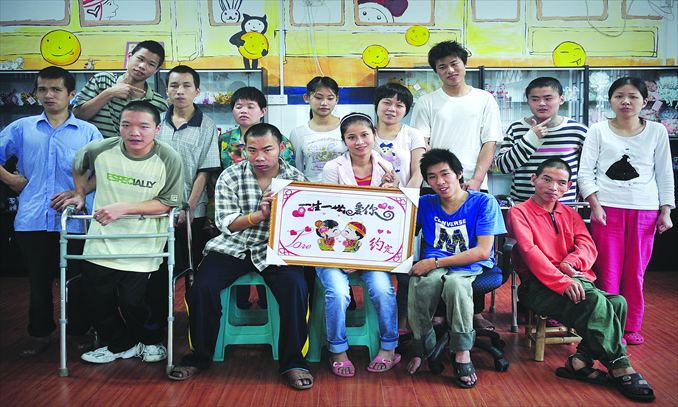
(461, 370)
(389, 363)
(296, 376)
(583, 374)
(338, 365)
(82, 342)
(186, 372)
(628, 384)
(483, 324)
(36, 345)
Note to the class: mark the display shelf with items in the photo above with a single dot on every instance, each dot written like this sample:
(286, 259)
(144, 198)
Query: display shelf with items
(662, 86)
(18, 94)
(18, 97)
(216, 89)
(420, 81)
(507, 85)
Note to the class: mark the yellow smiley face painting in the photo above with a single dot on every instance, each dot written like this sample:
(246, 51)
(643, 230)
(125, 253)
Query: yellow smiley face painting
(375, 56)
(569, 54)
(417, 35)
(60, 47)
(255, 47)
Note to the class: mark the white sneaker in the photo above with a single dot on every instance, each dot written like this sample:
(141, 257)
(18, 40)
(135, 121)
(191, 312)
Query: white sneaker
(151, 353)
(103, 355)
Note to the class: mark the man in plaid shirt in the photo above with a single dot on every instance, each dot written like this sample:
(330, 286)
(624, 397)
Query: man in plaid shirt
(243, 207)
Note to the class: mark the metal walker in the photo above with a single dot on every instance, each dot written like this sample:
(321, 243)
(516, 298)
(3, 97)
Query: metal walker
(68, 214)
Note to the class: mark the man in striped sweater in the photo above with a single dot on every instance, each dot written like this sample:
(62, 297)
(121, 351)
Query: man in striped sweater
(102, 99)
(531, 140)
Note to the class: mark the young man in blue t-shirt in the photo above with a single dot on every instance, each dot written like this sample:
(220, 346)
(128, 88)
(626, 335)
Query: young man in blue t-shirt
(458, 229)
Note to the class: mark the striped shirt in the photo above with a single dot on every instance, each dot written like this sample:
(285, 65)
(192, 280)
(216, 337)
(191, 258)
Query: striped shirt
(522, 152)
(238, 193)
(107, 119)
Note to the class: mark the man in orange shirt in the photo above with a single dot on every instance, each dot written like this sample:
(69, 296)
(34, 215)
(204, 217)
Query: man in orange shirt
(554, 255)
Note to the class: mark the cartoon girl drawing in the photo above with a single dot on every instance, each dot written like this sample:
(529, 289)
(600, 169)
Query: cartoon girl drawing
(99, 9)
(353, 232)
(327, 230)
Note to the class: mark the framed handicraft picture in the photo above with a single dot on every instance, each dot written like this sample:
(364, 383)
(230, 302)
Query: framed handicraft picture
(342, 226)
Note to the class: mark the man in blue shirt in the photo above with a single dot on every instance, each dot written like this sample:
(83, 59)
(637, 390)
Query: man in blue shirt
(45, 146)
(458, 229)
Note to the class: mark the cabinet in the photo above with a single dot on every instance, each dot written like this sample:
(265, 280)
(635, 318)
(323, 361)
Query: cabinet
(508, 87)
(216, 88)
(16, 86)
(420, 81)
(662, 84)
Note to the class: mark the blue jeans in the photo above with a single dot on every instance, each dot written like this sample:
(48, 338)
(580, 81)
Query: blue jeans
(337, 299)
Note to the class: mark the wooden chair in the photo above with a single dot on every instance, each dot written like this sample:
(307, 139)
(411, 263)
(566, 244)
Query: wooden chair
(537, 335)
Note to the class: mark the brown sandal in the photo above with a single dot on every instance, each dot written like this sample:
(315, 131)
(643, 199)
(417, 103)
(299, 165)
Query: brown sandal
(182, 372)
(36, 346)
(297, 377)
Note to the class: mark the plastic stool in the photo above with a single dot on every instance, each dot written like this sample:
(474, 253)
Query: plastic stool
(366, 333)
(240, 327)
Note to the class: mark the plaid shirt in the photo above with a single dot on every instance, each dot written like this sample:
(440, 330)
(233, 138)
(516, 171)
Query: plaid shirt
(238, 193)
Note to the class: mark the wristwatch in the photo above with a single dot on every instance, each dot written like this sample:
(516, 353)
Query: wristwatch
(437, 264)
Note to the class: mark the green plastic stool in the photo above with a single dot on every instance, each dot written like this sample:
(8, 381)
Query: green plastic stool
(364, 333)
(240, 327)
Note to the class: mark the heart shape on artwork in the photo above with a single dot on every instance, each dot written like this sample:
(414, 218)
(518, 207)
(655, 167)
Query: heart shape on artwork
(380, 231)
(382, 205)
(299, 213)
(293, 232)
(388, 232)
(390, 207)
(310, 209)
(307, 228)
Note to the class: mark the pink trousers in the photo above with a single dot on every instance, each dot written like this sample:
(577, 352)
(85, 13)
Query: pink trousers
(624, 250)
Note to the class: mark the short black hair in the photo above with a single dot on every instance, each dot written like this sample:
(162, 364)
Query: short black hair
(142, 106)
(184, 69)
(445, 49)
(635, 82)
(544, 82)
(556, 163)
(390, 89)
(352, 118)
(54, 72)
(437, 156)
(329, 224)
(249, 93)
(152, 46)
(263, 129)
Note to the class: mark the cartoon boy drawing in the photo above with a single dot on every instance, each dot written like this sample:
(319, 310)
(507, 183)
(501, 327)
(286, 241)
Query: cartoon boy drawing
(353, 232)
(327, 230)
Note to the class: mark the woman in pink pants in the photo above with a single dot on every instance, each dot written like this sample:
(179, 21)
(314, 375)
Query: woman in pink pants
(627, 177)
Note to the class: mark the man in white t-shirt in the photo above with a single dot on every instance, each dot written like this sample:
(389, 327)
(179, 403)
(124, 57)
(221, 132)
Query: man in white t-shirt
(459, 117)
(463, 120)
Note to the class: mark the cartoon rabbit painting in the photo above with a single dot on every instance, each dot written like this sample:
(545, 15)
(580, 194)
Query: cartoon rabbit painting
(230, 10)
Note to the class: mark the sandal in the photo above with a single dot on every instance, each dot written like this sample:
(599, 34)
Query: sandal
(33, 348)
(82, 342)
(461, 370)
(297, 377)
(569, 372)
(483, 324)
(552, 323)
(182, 372)
(388, 362)
(633, 338)
(629, 384)
(338, 365)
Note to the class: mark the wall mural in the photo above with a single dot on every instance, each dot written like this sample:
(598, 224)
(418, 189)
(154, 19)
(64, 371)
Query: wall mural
(346, 39)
